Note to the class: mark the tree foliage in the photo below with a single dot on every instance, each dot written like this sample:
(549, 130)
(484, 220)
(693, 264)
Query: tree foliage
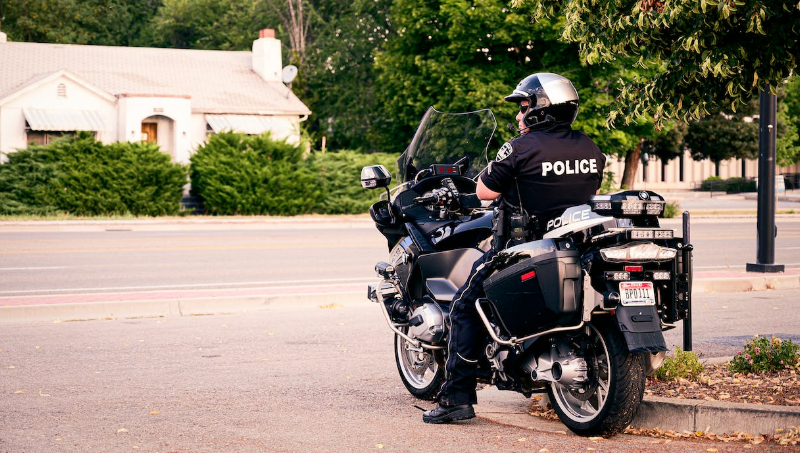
(99, 22)
(788, 144)
(459, 55)
(339, 80)
(208, 24)
(668, 143)
(704, 55)
(722, 136)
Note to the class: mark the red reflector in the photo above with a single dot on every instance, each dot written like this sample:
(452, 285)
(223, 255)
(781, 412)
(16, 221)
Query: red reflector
(528, 276)
(633, 268)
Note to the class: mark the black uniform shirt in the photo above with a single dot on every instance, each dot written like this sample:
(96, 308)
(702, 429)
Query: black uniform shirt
(555, 168)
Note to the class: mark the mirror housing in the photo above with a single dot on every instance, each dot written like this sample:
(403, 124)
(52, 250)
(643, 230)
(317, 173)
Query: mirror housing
(375, 176)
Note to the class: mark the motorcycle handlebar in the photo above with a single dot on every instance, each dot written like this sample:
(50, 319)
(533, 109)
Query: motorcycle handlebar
(430, 199)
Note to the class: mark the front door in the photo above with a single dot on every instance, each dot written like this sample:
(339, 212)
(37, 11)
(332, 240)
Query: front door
(150, 132)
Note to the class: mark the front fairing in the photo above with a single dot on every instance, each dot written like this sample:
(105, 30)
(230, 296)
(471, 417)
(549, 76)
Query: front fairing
(447, 138)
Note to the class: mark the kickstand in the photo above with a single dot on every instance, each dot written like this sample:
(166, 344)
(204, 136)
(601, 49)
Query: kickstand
(423, 410)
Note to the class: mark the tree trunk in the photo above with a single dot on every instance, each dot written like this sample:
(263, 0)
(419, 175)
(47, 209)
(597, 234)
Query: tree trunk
(631, 165)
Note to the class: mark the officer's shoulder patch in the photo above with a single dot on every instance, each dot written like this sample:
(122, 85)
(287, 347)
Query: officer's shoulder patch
(505, 151)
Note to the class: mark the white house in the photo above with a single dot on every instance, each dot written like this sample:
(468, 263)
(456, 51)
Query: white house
(173, 97)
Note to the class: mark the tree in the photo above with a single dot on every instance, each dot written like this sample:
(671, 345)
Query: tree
(296, 18)
(668, 143)
(99, 22)
(208, 24)
(456, 55)
(722, 136)
(338, 79)
(788, 144)
(706, 54)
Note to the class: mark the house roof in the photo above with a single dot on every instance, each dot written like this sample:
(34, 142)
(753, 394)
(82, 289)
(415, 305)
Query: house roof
(217, 81)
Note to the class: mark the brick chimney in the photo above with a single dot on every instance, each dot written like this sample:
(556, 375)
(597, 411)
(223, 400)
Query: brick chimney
(267, 60)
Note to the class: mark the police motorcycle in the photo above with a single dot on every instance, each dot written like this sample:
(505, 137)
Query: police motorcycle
(577, 313)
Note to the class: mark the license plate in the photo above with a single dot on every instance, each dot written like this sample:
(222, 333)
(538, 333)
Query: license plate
(637, 293)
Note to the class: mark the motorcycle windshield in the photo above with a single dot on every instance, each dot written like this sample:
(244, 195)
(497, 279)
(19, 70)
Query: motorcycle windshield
(445, 138)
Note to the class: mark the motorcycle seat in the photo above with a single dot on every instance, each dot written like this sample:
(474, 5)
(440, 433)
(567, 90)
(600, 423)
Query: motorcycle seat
(442, 289)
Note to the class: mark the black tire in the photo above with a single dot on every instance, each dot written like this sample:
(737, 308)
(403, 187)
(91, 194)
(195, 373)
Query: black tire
(623, 384)
(421, 372)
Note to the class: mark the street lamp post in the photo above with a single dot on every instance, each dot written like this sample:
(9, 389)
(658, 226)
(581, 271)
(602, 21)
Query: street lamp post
(767, 134)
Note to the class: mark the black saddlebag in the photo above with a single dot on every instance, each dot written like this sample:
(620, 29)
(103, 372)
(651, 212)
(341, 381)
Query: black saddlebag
(540, 290)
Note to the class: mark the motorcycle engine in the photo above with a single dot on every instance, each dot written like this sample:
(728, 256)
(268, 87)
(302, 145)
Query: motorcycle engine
(427, 323)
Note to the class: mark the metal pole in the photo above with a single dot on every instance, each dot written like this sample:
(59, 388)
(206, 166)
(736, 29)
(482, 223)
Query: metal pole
(687, 262)
(767, 135)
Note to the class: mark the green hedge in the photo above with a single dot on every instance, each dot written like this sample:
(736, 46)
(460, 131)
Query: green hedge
(251, 175)
(82, 176)
(730, 185)
(339, 175)
(237, 174)
(233, 174)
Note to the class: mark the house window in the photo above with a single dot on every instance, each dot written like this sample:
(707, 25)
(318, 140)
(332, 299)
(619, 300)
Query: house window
(61, 91)
(46, 137)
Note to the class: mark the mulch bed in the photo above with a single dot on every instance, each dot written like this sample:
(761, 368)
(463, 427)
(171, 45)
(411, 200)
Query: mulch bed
(717, 383)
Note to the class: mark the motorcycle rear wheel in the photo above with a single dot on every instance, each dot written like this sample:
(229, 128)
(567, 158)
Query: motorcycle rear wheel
(420, 372)
(617, 386)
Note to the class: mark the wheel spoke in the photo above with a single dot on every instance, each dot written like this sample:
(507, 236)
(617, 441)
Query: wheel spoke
(588, 408)
(602, 392)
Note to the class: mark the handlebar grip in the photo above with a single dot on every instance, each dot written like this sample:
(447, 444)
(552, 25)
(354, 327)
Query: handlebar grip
(433, 198)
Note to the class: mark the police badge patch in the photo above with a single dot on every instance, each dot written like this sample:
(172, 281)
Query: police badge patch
(505, 151)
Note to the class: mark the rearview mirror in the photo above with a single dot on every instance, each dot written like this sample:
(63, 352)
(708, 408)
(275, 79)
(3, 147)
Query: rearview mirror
(375, 176)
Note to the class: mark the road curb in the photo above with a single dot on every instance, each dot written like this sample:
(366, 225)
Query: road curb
(745, 283)
(510, 408)
(714, 416)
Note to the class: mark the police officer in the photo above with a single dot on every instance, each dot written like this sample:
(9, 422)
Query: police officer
(546, 169)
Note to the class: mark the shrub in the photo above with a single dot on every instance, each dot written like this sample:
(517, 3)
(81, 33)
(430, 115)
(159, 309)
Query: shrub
(81, 176)
(24, 179)
(607, 185)
(684, 364)
(671, 210)
(766, 355)
(237, 174)
(712, 183)
(339, 177)
(738, 185)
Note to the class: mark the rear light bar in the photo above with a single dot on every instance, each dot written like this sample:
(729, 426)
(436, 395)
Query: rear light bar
(650, 234)
(617, 276)
(661, 275)
(621, 276)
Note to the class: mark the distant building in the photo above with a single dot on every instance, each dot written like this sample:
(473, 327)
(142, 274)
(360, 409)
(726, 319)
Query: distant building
(172, 97)
(684, 172)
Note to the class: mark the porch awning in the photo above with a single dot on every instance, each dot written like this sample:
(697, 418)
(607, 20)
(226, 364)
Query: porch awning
(64, 120)
(246, 124)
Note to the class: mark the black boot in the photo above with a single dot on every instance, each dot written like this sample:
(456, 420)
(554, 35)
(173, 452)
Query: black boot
(447, 414)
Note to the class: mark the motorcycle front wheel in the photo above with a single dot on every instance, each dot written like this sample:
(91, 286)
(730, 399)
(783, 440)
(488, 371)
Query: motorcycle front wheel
(616, 388)
(421, 373)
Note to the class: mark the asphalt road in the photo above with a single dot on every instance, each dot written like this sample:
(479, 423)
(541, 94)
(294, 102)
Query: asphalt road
(290, 378)
(223, 256)
(724, 322)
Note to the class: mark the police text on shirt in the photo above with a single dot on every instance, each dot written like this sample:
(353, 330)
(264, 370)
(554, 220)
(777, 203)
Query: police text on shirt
(570, 167)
